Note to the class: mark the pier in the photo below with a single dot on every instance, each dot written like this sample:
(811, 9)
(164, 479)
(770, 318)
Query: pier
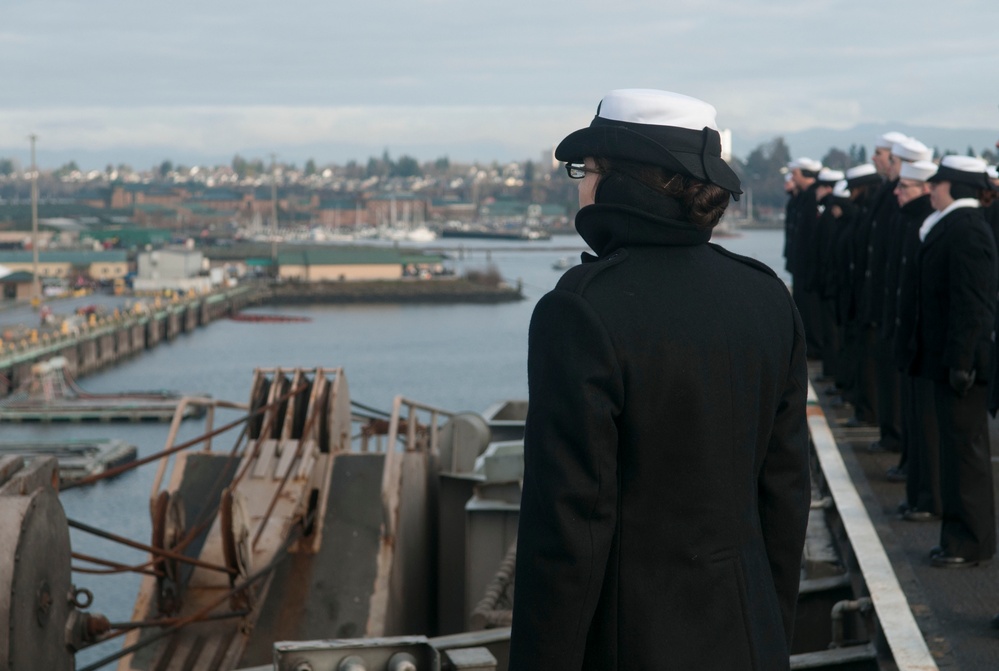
(104, 341)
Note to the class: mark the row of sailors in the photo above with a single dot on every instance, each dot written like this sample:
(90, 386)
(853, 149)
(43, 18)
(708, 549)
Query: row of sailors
(895, 273)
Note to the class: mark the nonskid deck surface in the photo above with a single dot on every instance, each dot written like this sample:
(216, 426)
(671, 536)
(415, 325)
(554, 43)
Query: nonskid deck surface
(953, 608)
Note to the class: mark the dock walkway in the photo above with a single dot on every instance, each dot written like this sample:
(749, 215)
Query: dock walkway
(953, 608)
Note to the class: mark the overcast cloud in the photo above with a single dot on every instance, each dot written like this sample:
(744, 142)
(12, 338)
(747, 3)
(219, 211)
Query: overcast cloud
(337, 80)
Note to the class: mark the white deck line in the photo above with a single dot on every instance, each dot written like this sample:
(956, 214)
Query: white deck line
(897, 622)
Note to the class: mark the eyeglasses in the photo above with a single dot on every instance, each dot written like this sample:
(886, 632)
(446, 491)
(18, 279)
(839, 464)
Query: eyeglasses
(579, 170)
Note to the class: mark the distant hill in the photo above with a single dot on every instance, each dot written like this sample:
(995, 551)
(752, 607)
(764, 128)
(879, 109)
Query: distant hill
(147, 157)
(815, 142)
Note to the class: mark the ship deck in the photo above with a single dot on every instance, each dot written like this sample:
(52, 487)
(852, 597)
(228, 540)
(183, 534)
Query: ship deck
(952, 608)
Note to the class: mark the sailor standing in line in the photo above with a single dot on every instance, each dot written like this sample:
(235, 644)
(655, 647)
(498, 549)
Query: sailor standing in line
(804, 172)
(791, 189)
(883, 233)
(824, 269)
(990, 202)
(992, 215)
(844, 212)
(922, 475)
(863, 182)
(953, 348)
(867, 271)
(893, 396)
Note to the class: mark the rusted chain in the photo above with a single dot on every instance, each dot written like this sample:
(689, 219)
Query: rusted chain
(169, 621)
(111, 472)
(203, 612)
(167, 554)
(114, 567)
(117, 470)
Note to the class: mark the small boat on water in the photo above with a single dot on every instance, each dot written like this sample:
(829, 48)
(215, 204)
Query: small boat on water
(483, 232)
(77, 459)
(51, 395)
(563, 263)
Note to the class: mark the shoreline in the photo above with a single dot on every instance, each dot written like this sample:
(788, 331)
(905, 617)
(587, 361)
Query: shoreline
(102, 342)
(457, 290)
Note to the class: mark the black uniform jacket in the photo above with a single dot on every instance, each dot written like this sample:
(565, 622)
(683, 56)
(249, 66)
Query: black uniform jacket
(893, 262)
(843, 261)
(827, 229)
(803, 250)
(879, 234)
(666, 485)
(957, 297)
(861, 233)
(911, 216)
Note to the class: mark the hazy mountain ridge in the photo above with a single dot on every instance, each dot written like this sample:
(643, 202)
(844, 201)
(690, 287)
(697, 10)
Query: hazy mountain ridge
(813, 142)
(816, 142)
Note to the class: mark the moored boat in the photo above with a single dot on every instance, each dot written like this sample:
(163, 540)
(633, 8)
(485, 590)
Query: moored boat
(488, 233)
(563, 263)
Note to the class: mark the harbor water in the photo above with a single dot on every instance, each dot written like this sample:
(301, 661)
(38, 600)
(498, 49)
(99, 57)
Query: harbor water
(457, 357)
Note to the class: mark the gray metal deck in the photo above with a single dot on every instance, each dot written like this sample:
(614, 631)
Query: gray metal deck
(952, 608)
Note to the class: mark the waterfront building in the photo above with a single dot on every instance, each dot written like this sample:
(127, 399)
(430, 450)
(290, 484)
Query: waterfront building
(317, 264)
(100, 266)
(175, 269)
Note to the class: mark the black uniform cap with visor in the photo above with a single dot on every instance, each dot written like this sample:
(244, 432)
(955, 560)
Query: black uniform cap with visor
(661, 128)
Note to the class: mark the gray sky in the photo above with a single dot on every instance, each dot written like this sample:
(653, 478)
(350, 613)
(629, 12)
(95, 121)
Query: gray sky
(334, 80)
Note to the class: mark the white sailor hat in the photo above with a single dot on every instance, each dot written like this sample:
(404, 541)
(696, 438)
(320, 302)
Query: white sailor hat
(805, 164)
(888, 139)
(662, 128)
(962, 170)
(828, 177)
(841, 190)
(911, 149)
(919, 171)
(992, 171)
(862, 174)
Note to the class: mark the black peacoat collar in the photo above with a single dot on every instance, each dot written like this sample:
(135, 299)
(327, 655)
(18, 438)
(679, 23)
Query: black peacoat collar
(607, 228)
(941, 227)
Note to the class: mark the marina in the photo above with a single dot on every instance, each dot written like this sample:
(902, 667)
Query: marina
(464, 358)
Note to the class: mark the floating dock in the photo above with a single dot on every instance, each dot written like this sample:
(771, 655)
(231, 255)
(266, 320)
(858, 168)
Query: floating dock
(51, 395)
(77, 459)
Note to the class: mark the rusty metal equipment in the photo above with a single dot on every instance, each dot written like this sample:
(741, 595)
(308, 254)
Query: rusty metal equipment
(41, 618)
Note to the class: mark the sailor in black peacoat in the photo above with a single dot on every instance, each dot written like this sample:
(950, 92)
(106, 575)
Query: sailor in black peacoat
(666, 487)
(953, 348)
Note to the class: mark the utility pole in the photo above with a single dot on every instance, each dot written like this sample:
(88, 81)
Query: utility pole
(36, 289)
(274, 215)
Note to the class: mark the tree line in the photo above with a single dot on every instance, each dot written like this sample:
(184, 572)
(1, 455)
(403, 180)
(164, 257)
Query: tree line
(761, 170)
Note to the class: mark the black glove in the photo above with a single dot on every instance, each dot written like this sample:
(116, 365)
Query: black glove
(961, 380)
